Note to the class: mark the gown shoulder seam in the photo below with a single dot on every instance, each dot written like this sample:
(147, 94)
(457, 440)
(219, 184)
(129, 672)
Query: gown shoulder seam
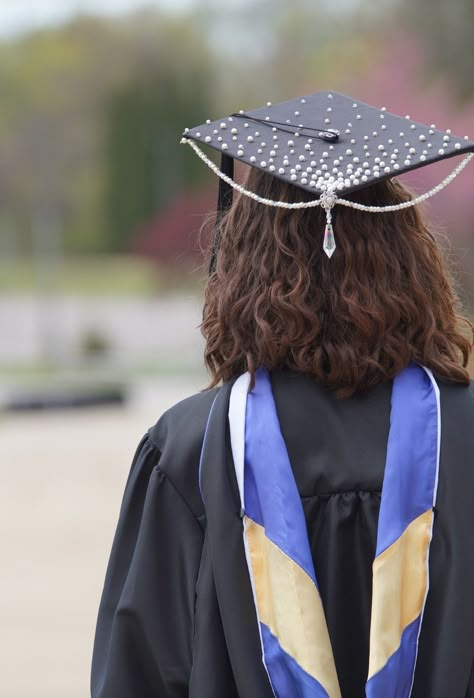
(198, 519)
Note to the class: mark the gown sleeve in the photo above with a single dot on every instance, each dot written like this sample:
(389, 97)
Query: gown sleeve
(470, 688)
(143, 640)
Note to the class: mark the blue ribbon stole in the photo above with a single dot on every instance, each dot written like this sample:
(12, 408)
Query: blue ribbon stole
(296, 648)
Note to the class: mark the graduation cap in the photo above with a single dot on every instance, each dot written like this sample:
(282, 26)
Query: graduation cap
(327, 144)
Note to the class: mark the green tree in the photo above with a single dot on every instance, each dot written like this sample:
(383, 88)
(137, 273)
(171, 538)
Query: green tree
(145, 164)
(57, 84)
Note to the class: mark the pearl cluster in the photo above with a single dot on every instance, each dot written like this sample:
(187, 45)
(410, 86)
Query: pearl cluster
(318, 170)
(328, 195)
(417, 200)
(319, 157)
(341, 145)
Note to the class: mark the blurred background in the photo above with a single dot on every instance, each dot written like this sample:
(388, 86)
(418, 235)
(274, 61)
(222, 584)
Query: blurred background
(101, 274)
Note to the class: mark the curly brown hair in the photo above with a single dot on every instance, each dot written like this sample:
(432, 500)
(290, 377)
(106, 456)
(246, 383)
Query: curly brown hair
(384, 299)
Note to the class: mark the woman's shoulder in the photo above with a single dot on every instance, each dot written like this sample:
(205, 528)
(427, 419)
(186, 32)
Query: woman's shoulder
(178, 434)
(177, 437)
(456, 395)
(185, 421)
(457, 428)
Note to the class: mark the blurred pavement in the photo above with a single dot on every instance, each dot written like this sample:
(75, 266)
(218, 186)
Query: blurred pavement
(62, 476)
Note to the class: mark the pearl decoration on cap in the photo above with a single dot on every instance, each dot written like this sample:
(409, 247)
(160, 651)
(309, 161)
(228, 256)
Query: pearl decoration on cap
(329, 180)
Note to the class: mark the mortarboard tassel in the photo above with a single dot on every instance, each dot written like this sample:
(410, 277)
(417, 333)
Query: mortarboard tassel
(224, 202)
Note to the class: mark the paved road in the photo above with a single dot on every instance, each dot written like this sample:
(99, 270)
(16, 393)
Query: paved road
(61, 481)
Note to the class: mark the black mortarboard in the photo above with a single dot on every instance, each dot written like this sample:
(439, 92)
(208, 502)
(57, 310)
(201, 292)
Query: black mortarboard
(325, 143)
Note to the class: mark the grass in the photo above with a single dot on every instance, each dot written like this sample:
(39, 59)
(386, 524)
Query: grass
(37, 373)
(102, 275)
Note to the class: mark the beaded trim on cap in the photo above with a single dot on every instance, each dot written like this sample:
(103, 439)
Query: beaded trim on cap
(328, 200)
(328, 144)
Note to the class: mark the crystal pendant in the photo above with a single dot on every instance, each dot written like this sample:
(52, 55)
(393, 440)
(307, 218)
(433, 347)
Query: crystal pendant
(329, 244)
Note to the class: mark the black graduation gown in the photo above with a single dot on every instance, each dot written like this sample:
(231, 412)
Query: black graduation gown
(176, 617)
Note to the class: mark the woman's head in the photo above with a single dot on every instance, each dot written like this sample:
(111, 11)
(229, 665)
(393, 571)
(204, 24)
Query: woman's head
(383, 299)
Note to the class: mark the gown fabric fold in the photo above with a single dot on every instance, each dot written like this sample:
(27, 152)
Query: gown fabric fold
(177, 617)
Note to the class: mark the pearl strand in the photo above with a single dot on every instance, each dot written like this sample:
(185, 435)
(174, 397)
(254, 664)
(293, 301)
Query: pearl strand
(412, 202)
(317, 202)
(243, 190)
